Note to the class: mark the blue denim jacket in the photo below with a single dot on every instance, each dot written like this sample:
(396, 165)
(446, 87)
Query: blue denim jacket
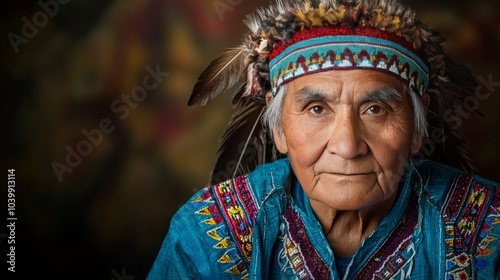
(443, 225)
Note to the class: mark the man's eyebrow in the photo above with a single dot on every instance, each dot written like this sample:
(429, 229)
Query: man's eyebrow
(308, 94)
(387, 94)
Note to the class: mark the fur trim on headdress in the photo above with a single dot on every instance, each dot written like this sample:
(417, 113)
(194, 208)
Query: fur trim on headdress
(245, 70)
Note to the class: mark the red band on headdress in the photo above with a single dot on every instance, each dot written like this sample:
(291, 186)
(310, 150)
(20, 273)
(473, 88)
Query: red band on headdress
(339, 31)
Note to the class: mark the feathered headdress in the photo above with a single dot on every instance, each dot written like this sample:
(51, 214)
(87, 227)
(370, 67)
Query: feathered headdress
(295, 37)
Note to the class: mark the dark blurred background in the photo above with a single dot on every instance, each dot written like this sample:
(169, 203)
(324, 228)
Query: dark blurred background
(67, 69)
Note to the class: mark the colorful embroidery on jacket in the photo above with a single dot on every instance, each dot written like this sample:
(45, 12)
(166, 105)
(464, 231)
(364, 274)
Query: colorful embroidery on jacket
(230, 203)
(470, 211)
(389, 260)
(396, 251)
(305, 260)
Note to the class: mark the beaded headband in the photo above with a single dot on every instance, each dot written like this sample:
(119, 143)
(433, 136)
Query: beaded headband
(297, 37)
(292, 38)
(324, 49)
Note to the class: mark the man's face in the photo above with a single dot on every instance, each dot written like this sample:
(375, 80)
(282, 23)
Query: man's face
(348, 135)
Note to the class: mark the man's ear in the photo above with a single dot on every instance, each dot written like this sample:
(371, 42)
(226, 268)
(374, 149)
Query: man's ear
(280, 141)
(416, 144)
(269, 96)
(426, 100)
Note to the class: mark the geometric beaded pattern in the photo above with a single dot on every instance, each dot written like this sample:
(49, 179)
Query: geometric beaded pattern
(230, 210)
(344, 53)
(470, 211)
(396, 251)
(300, 252)
(385, 263)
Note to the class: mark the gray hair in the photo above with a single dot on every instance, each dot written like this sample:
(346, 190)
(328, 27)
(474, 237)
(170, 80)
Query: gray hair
(272, 115)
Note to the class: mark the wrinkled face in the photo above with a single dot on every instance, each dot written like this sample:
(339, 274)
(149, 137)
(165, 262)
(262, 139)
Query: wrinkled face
(348, 135)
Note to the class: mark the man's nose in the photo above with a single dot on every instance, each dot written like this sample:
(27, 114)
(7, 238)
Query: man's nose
(345, 137)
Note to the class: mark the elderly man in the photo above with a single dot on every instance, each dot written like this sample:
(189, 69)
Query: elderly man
(349, 91)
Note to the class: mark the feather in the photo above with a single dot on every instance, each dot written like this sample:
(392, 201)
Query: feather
(245, 88)
(222, 74)
(244, 144)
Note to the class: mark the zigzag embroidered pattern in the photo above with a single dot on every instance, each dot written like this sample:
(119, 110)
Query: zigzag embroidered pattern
(305, 260)
(393, 254)
(230, 203)
(470, 211)
(347, 52)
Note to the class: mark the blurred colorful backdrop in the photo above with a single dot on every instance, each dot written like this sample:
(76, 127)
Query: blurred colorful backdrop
(105, 149)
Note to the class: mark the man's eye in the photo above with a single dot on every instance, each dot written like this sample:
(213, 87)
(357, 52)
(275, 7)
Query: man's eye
(316, 110)
(375, 110)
